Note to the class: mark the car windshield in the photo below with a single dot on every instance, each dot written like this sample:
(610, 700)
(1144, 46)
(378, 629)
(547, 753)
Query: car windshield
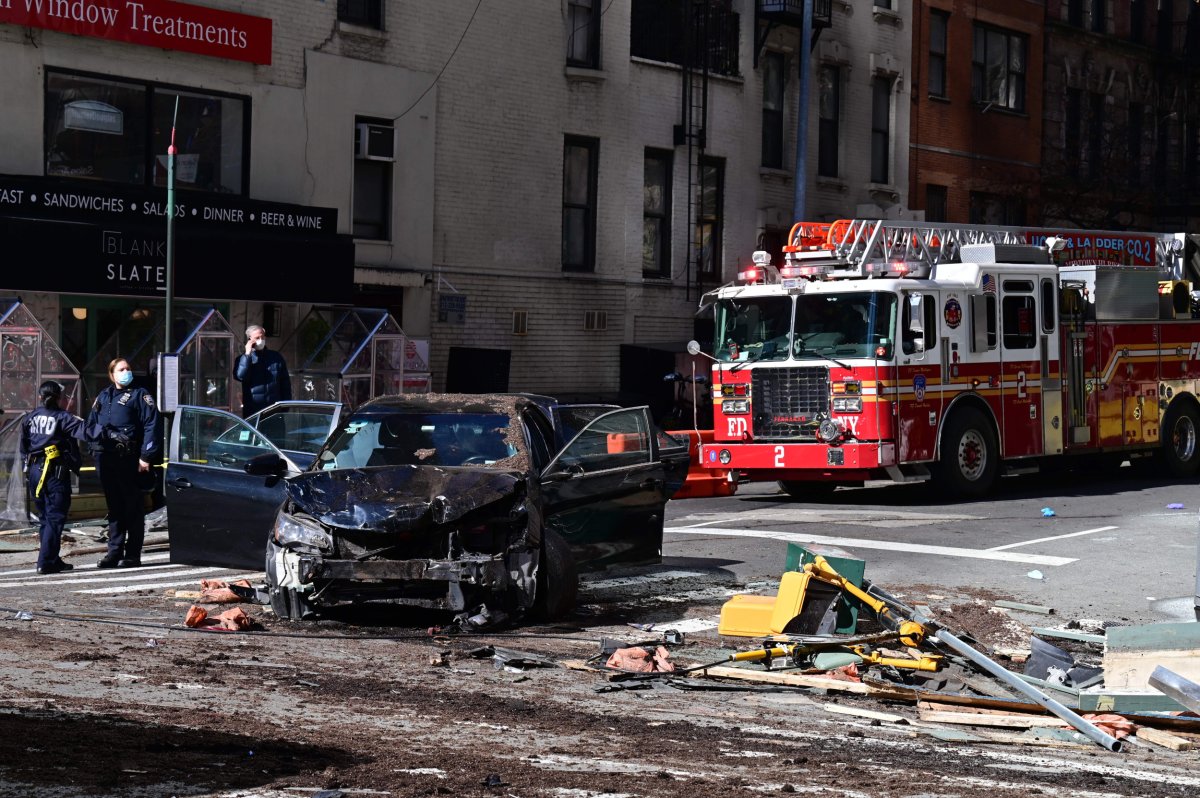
(432, 439)
(755, 328)
(844, 325)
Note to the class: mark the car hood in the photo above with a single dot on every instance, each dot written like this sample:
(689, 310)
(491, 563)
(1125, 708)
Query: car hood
(398, 498)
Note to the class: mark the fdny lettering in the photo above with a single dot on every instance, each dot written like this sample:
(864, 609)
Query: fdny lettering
(737, 427)
(1194, 351)
(850, 424)
(42, 425)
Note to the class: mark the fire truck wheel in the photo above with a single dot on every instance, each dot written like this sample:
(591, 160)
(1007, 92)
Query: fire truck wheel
(1181, 438)
(557, 578)
(969, 458)
(807, 491)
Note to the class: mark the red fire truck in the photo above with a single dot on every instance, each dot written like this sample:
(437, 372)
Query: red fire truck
(909, 351)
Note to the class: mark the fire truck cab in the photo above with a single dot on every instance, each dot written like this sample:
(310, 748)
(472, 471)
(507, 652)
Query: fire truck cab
(905, 351)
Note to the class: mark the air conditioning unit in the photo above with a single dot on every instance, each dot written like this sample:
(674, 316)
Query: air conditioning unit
(374, 142)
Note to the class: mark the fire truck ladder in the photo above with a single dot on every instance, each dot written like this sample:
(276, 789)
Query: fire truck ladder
(861, 245)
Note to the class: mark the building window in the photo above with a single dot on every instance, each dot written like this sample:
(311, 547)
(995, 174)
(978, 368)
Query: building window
(98, 128)
(368, 13)
(1095, 139)
(656, 213)
(580, 174)
(710, 216)
(374, 151)
(1072, 124)
(1166, 27)
(583, 34)
(829, 111)
(998, 68)
(1075, 13)
(1137, 125)
(659, 31)
(996, 209)
(881, 128)
(935, 203)
(1098, 21)
(939, 21)
(772, 115)
(884, 4)
(1137, 20)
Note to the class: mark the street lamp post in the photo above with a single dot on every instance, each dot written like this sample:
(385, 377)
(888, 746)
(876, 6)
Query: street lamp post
(171, 227)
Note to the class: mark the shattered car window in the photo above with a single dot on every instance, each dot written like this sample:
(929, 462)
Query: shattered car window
(395, 439)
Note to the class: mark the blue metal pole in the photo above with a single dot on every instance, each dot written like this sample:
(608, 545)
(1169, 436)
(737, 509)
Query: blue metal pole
(171, 227)
(800, 198)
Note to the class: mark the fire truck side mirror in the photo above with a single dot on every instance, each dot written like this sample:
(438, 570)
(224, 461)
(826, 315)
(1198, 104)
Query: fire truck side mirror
(915, 323)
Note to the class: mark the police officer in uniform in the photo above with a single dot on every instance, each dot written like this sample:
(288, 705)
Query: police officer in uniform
(130, 443)
(50, 452)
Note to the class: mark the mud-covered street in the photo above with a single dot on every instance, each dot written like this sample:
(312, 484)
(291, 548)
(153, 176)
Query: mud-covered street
(124, 701)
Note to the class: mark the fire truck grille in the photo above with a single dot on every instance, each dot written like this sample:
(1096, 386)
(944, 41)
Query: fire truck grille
(789, 402)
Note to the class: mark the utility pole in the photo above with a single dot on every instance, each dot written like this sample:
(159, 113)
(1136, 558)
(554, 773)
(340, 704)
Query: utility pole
(800, 198)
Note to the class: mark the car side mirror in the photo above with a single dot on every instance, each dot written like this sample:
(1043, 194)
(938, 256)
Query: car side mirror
(266, 465)
(566, 472)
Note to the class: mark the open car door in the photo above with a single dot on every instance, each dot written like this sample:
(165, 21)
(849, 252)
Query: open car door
(218, 514)
(606, 491)
(298, 427)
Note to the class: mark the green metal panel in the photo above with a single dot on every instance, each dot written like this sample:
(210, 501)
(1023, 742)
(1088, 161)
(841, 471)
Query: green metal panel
(852, 568)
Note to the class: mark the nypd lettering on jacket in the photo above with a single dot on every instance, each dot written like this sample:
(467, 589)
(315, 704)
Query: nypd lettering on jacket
(44, 427)
(132, 414)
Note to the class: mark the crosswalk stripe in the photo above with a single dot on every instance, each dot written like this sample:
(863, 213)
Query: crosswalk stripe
(883, 545)
(24, 572)
(143, 574)
(625, 581)
(160, 585)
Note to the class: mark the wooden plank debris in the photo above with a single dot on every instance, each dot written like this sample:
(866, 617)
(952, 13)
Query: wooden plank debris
(1016, 605)
(790, 678)
(885, 717)
(1066, 634)
(1165, 739)
(988, 719)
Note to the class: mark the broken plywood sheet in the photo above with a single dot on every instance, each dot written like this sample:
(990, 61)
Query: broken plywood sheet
(1131, 653)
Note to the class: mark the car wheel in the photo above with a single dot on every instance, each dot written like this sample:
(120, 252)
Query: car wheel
(287, 604)
(557, 578)
(969, 459)
(1181, 439)
(807, 491)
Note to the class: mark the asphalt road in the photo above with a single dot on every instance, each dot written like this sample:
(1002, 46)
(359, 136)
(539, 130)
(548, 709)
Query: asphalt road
(1112, 551)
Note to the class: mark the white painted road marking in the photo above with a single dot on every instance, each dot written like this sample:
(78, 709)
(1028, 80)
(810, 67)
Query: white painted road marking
(1055, 537)
(158, 585)
(884, 545)
(626, 581)
(123, 575)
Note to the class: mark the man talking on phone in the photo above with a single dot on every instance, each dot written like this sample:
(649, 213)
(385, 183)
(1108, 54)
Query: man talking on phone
(262, 372)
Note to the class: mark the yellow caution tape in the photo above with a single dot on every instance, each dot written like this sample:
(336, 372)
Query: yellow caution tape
(51, 453)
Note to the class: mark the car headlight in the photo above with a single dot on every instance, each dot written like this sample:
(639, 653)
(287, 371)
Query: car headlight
(292, 531)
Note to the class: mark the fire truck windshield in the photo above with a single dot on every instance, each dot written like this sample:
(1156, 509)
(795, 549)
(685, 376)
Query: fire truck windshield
(753, 328)
(847, 325)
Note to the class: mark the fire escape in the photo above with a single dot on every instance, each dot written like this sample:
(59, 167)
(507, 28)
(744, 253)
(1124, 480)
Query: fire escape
(707, 44)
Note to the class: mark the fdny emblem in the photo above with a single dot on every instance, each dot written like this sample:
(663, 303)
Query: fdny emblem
(919, 387)
(952, 313)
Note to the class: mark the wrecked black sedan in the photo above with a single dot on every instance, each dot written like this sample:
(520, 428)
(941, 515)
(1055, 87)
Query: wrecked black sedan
(444, 501)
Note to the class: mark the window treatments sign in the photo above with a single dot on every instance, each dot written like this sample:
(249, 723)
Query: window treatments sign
(153, 23)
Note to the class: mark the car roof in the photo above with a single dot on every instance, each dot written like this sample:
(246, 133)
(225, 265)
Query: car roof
(453, 403)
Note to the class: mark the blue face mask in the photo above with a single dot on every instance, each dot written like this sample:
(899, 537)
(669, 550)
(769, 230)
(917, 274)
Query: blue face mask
(124, 378)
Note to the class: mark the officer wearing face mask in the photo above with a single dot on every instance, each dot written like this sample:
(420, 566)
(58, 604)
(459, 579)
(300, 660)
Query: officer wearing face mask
(130, 443)
(262, 372)
(50, 451)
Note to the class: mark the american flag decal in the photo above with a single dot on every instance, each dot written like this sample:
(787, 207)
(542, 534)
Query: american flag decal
(989, 284)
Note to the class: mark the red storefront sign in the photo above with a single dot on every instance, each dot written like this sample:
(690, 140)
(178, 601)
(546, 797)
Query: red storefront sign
(153, 23)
